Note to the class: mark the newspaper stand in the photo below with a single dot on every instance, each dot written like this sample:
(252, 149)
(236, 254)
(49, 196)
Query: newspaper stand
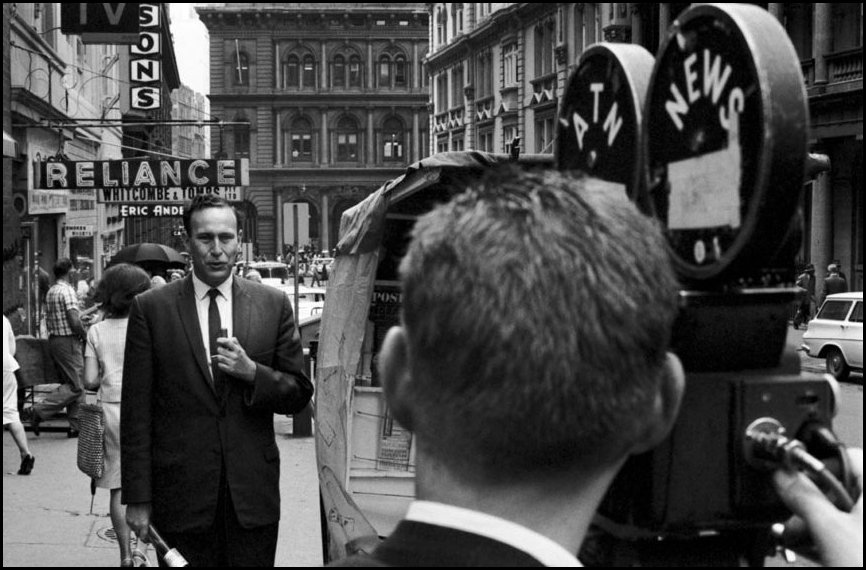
(365, 459)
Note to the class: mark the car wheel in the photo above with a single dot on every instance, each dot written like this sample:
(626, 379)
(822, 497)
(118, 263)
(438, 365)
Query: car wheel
(836, 364)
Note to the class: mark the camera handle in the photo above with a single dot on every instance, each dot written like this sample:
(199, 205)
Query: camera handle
(767, 447)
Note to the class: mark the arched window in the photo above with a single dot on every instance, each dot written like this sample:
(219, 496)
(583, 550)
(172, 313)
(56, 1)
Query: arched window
(355, 71)
(400, 71)
(291, 72)
(241, 69)
(392, 70)
(338, 72)
(240, 137)
(384, 72)
(393, 145)
(308, 74)
(347, 140)
(456, 19)
(301, 144)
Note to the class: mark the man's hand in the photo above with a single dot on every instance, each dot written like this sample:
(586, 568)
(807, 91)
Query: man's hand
(835, 535)
(138, 519)
(232, 359)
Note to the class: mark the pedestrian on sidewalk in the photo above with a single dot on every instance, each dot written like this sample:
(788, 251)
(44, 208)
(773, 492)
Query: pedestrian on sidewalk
(11, 420)
(834, 282)
(65, 337)
(209, 360)
(103, 371)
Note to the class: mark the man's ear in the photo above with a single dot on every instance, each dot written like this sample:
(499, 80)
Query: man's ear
(394, 370)
(666, 406)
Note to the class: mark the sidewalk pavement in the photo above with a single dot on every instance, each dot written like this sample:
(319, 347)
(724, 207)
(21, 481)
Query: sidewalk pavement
(47, 519)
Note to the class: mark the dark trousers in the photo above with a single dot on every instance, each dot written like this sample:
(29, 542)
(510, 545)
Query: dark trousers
(68, 357)
(226, 543)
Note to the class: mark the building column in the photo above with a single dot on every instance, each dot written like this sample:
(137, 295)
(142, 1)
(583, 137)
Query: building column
(636, 24)
(370, 70)
(323, 135)
(277, 67)
(821, 248)
(416, 137)
(776, 10)
(821, 24)
(326, 228)
(664, 21)
(281, 239)
(416, 64)
(278, 135)
(370, 140)
(323, 74)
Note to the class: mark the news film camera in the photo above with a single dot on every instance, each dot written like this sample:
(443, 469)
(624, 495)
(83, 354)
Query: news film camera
(716, 126)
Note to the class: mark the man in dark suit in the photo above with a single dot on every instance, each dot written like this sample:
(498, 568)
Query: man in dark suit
(834, 282)
(209, 360)
(527, 309)
(530, 363)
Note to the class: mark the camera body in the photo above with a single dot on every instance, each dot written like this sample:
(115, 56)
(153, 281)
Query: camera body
(718, 135)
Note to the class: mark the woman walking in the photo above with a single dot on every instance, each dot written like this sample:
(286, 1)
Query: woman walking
(103, 370)
(11, 420)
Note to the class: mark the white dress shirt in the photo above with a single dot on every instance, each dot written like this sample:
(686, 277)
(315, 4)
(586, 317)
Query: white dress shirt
(538, 546)
(202, 305)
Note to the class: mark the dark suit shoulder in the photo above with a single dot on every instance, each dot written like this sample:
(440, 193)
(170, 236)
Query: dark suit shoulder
(421, 544)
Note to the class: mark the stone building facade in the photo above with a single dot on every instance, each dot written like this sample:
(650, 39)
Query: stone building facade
(335, 97)
(499, 71)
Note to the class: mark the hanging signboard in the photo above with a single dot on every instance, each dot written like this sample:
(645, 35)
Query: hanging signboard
(174, 195)
(47, 202)
(101, 23)
(164, 173)
(74, 231)
(144, 65)
(151, 210)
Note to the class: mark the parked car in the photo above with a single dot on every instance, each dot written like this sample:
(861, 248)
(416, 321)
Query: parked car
(311, 301)
(273, 273)
(836, 334)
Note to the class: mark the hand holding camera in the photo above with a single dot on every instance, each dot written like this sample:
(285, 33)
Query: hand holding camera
(819, 529)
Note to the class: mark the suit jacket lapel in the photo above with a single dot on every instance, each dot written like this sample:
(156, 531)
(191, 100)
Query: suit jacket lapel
(186, 305)
(242, 311)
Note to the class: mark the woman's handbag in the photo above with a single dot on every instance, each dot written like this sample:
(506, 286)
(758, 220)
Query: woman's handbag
(91, 452)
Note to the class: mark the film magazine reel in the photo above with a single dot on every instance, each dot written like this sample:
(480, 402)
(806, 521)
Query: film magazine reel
(716, 128)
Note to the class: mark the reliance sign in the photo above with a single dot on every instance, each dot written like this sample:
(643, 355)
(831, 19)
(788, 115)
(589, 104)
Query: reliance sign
(68, 174)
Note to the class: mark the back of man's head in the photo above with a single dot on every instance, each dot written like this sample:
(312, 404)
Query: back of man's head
(537, 309)
(832, 268)
(62, 268)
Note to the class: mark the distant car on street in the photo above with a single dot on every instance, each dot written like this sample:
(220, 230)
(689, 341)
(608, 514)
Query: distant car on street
(836, 334)
(273, 273)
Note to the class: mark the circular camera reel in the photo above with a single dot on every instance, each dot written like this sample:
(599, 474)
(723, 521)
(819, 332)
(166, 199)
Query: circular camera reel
(600, 122)
(725, 131)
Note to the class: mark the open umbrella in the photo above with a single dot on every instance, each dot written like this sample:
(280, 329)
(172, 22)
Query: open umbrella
(150, 255)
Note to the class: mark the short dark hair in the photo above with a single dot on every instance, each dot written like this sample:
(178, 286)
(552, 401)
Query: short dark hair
(538, 308)
(62, 267)
(202, 201)
(118, 287)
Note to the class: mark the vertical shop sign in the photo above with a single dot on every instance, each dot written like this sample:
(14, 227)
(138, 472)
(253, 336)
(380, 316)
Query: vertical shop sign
(144, 64)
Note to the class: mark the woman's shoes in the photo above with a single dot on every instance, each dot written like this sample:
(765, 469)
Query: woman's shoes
(26, 465)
